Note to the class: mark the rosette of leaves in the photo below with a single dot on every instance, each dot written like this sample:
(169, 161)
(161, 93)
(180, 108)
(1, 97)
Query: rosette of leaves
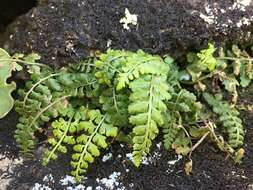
(86, 104)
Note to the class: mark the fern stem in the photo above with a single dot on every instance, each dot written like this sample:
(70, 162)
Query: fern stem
(46, 108)
(149, 110)
(228, 150)
(26, 62)
(108, 63)
(199, 142)
(178, 98)
(36, 84)
(59, 142)
(203, 78)
(86, 147)
(114, 100)
(232, 58)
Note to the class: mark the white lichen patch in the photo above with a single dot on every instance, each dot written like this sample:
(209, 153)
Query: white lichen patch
(209, 15)
(158, 145)
(68, 180)
(38, 186)
(173, 162)
(69, 183)
(243, 21)
(209, 19)
(128, 19)
(111, 182)
(212, 15)
(48, 178)
(129, 156)
(108, 43)
(107, 157)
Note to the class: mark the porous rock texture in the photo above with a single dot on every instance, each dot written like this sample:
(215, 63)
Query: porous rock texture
(64, 31)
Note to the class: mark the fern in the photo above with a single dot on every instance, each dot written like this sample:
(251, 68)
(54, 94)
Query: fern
(93, 138)
(114, 104)
(204, 61)
(42, 99)
(60, 136)
(64, 132)
(146, 109)
(184, 109)
(171, 129)
(128, 96)
(126, 66)
(242, 65)
(139, 64)
(228, 116)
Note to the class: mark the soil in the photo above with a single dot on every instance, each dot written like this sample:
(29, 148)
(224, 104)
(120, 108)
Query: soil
(67, 31)
(55, 31)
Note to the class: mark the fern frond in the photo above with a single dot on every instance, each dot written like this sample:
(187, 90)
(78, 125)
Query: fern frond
(93, 138)
(186, 104)
(171, 129)
(242, 64)
(114, 104)
(146, 109)
(64, 131)
(183, 108)
(109, 64)
(138, 64)
(43, 97)
(60, 130)
(228, 116)
(206, 57)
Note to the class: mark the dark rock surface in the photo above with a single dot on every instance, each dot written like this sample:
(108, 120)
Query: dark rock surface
(66, 31)
(10, 9)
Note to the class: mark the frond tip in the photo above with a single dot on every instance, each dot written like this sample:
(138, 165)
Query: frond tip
(88, 144)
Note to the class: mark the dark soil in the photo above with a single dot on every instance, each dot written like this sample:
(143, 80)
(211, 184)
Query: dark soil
(67, 31)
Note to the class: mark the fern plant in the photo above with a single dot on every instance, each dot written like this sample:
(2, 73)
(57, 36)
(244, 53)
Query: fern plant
(128, 95)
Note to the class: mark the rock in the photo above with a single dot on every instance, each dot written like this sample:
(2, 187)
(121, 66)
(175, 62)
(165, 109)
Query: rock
(67, 31)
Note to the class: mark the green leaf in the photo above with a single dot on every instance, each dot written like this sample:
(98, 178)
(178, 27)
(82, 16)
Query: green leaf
(228, 117)
(230, 84)
(206, 57)
(7, 65)
(146, 113)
